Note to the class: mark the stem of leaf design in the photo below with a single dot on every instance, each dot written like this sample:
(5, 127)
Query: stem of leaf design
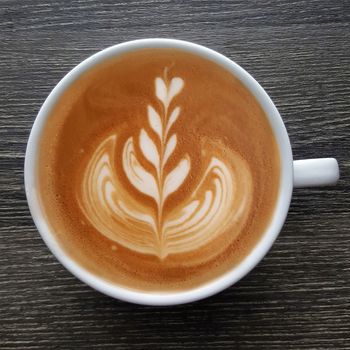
(161, 180)
(165, 91)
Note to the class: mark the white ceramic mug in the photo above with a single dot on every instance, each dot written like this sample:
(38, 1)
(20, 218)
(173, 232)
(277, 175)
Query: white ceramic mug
(311, 172)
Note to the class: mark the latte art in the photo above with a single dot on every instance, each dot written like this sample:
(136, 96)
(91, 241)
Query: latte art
(213, 204)
(158, 170)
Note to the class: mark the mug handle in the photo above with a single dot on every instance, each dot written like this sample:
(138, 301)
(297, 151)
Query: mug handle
(315, 172)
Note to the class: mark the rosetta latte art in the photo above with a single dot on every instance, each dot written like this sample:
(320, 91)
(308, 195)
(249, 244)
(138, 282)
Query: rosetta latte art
(217, 203)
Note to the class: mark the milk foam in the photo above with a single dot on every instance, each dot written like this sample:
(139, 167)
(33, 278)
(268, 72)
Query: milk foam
(217, 202)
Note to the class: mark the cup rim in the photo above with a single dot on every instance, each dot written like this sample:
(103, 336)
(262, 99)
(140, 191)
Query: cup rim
(221, 282)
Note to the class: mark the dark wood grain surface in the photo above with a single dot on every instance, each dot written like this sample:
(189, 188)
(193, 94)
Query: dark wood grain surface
(299, 295)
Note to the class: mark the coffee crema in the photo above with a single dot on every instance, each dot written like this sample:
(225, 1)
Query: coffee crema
(158, 170)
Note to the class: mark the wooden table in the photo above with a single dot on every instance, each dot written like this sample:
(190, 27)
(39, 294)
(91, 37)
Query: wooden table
(299, 296)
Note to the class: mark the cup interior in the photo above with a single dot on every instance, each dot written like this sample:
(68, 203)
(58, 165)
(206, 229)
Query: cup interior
(222, 282)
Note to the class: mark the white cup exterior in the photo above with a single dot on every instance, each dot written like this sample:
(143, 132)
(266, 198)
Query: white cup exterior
(221, 282)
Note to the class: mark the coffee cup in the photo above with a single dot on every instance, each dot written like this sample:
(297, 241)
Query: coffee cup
(299, 173)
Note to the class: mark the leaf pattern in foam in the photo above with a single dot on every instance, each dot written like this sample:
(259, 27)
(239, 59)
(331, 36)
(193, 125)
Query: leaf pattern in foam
(170, 147)
(176, 177)
(161, 90)
(172, 119)
(134, 224)
(155, 121)
(175, 87)
(149, 149)
(166, 94)
(137, 175)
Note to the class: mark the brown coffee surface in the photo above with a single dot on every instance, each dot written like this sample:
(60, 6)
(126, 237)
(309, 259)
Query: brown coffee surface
(158, 170)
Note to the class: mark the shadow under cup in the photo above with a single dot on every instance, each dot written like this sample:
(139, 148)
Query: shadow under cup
(221, 281)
